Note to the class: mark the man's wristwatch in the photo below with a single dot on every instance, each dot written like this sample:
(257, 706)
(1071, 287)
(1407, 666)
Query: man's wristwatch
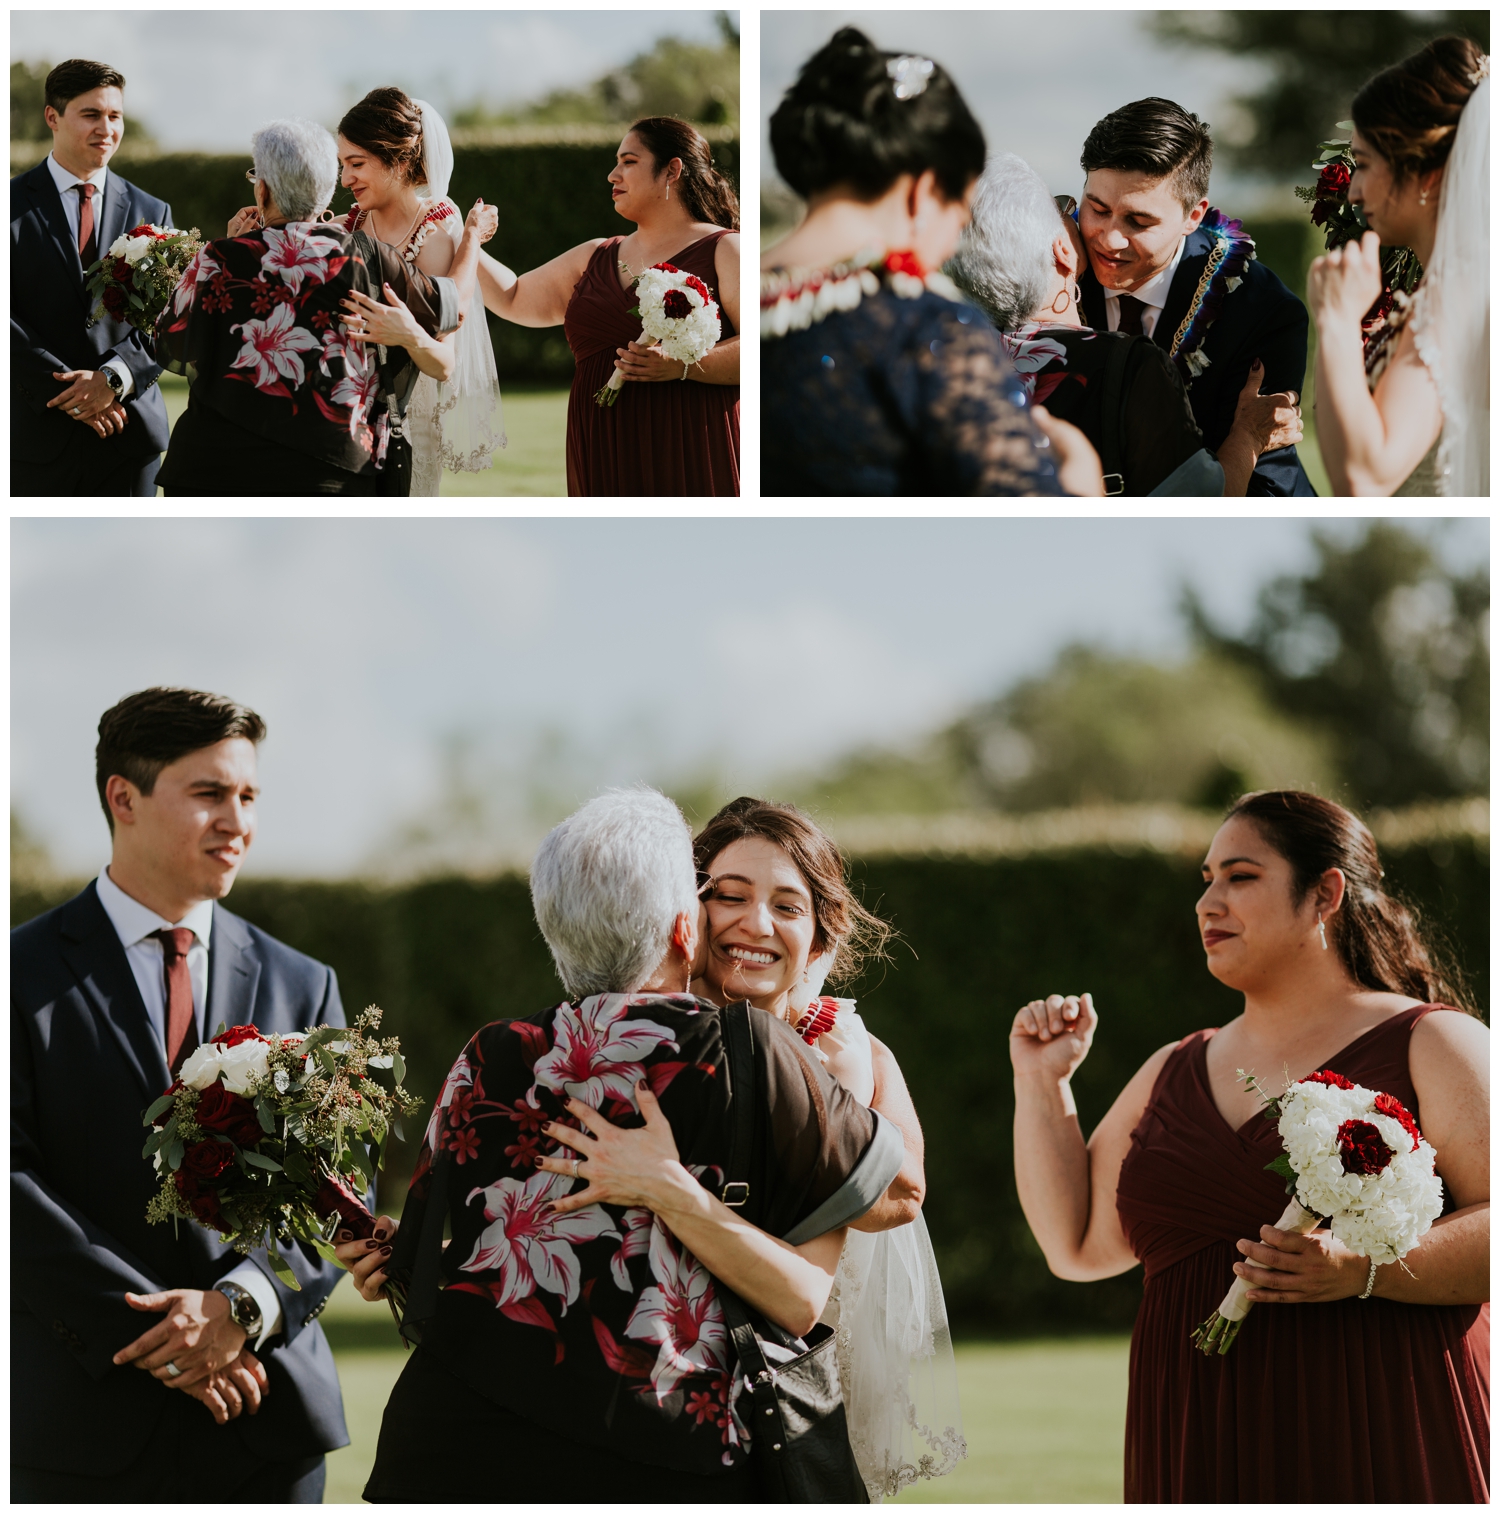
(243, 1309)
(113, 379)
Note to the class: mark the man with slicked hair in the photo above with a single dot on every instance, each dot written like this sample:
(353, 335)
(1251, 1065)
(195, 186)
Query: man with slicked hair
(1164, 263)
(152, 1362)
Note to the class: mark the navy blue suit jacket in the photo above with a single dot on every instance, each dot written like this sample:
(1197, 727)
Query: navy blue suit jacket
(1261, 319)
(49, 330)
(85, 1063)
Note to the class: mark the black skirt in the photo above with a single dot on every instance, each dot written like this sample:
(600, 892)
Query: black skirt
(441, 1442)
(212, 456)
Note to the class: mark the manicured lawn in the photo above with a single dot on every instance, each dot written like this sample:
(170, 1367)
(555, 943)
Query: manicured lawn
(1045, 1420)
(532, 464)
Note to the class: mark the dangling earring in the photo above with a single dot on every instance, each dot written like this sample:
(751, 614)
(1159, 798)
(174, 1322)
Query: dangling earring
(1422, 198)
(669, 189)
(1322, 934)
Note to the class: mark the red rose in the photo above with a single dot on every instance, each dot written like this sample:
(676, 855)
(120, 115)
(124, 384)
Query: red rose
(1390, 1105)
(1320, 212)
(207, 1159)
(228, 1114)
(121, 272)
(114, 301)
(204, 1202)
(905, 262)
(676, 305)
(1361, 1150)
(237, 1034)
(1332, 1079)
(1334, 180)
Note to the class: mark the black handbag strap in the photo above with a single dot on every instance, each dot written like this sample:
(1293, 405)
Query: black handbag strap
(1111, 453)
(739, 1055)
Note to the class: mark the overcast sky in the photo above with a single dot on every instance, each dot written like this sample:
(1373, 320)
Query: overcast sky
(204, 80)
(1037, 79)
(649, 647)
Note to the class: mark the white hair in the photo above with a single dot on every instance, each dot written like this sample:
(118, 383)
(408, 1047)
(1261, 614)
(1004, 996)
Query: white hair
(298, 161)
(1004, 262)
(607, 886)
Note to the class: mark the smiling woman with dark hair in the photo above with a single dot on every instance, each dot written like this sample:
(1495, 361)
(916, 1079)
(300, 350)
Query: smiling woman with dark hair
(1376, 1376)
(877, 377)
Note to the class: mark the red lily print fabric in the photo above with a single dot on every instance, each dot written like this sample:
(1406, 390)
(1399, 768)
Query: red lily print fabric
(601, 1319)
(254, 324)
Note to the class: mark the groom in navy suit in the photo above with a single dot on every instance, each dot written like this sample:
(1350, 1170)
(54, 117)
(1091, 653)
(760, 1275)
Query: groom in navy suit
(86, 416)
(152, 1363)
(1164, 264)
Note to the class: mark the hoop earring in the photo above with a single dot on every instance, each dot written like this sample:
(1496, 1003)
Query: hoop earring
(1322, 934)
(1062, 294)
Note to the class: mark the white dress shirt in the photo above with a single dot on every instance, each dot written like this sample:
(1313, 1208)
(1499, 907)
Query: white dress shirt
(135, 925)
(67, 187)
(1152, 294)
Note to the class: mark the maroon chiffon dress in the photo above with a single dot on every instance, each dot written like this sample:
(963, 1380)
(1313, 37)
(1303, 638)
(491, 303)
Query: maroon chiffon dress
(1345, 1401)
(657, 438)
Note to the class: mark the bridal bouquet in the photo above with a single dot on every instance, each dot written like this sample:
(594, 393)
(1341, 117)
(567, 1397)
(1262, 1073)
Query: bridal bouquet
(1353, 1157)
(677, 313)
(134, 280)
(1343, 222)
(263, 1138)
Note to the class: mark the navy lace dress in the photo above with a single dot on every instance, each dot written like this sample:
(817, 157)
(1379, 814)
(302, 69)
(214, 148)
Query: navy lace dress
(875, 382)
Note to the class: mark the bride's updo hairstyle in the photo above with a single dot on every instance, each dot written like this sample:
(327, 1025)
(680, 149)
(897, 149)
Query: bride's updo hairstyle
(706, 193)
(843, 923)
(1376, 935)
(387, 123)
(1409, 113)
(858, 118)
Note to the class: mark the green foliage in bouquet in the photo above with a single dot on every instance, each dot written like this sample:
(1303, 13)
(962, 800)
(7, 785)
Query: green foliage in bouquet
(275, 1144)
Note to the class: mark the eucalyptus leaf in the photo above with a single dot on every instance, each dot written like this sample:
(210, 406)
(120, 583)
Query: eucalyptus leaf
(266, 1114)
(280, 1268)
(163, 1103)
(255, 1159)
(398, 1066)
(325, 1250)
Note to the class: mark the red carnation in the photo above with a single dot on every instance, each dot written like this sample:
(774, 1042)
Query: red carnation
(905, 262)
(207, 1159)
(676, 305)
(1361, 1150)
(237, 1034)
(697, 284)
(1332, 1079)
(666, 268)
(203, 1201)
(1334, 180)
(228, 1114)
(1389, 1105)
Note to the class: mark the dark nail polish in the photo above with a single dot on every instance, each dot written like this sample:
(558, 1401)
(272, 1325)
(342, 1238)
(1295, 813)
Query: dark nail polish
(386, 1250)
(345, 1236)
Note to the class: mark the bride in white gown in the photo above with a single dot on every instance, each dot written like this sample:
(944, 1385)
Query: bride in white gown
(397, 158)
(1409, 414)
(777, 914)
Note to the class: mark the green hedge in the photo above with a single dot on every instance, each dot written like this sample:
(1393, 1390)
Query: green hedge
(980, 938)
(551, 192)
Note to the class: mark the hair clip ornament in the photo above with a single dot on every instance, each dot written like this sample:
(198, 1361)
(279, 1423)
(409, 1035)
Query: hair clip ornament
(909, 74)
(1482, 72)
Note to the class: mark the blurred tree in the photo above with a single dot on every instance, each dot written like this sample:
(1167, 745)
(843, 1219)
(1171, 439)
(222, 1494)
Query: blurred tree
(697, 81)
(28, 97)
(1096, 728)
(1385, 650)
(31, 863)
(1319, 58)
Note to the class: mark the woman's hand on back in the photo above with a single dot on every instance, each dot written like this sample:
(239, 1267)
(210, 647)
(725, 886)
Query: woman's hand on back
(1267, 421)
(483, 220)
(1050, 1037)
(1078, 468)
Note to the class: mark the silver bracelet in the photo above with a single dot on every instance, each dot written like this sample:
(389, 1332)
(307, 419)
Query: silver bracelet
(1370, 1281)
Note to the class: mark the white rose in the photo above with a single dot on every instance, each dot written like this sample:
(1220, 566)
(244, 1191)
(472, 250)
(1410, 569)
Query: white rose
(201, 1068)
(239, 1065)
(117, 247)
(136, 248)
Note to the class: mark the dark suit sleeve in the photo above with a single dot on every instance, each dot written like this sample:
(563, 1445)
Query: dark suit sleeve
(317, 1276)
(69, 1273)
(32, 366)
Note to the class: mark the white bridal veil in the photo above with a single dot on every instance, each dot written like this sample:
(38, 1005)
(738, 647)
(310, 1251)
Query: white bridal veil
(468, 407)
(1451, 316)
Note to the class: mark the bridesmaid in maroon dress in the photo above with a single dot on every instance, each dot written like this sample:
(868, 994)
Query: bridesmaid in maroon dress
(1374, 1384)
(672, 430)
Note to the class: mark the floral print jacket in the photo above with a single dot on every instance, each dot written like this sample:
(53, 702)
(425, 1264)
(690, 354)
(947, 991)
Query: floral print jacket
(599, 1324)
(255, 326)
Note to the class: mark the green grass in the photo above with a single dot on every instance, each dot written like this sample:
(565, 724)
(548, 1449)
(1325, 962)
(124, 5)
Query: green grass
(536, 423)
(1045, 1420)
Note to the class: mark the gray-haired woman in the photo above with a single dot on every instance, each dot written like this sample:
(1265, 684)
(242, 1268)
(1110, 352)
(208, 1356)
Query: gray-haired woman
(1018, 262)
(277, 326)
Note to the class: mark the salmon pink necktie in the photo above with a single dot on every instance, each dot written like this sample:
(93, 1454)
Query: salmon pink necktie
(182, 1027)
(87, 249)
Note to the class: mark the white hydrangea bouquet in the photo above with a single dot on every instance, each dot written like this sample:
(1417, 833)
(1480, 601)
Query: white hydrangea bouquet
(678, 314)
(1353, 1157)
(134, 280)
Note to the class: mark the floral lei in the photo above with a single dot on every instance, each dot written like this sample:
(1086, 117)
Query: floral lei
(794, 299)
(1231, 255)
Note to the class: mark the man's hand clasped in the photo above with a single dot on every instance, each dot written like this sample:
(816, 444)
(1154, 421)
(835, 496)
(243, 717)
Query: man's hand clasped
(89, 399)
